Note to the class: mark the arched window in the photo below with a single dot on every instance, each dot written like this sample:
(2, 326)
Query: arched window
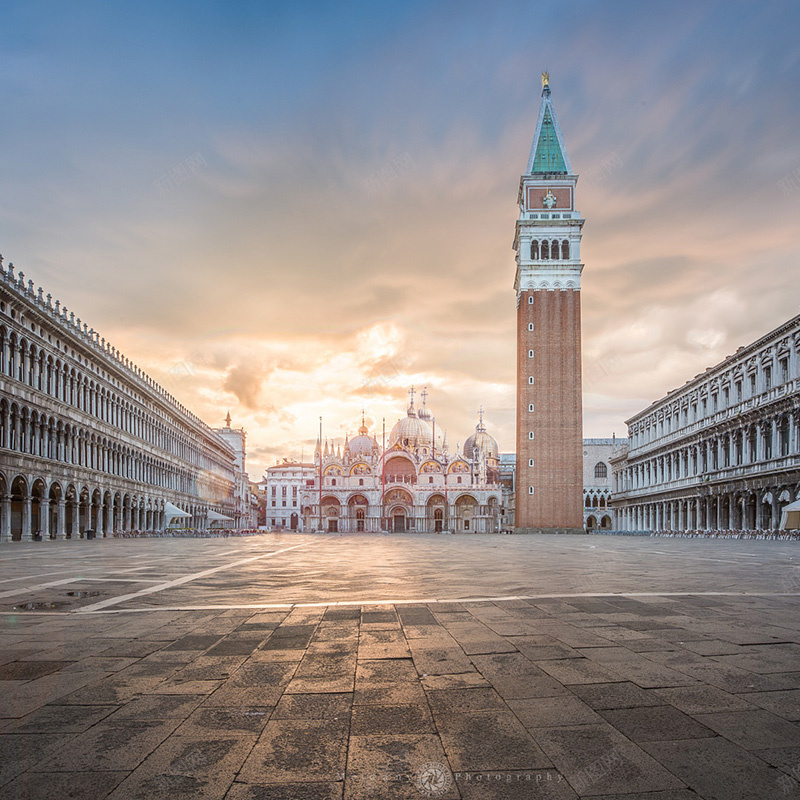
(554, 250)
(545, 250)
(534, 250)
(565, 250)
(600, 470)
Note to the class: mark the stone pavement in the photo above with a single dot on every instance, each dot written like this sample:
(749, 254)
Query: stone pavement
(370, 666)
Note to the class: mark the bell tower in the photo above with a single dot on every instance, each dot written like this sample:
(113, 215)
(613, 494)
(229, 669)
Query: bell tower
(549, 484)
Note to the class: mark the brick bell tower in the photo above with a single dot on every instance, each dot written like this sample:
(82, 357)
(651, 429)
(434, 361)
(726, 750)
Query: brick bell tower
(549, 485)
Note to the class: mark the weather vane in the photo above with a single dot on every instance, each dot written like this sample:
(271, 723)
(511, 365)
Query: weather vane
(545, 80)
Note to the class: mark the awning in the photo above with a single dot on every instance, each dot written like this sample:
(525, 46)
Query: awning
(171, 511)
(215, 516)
(790, 516)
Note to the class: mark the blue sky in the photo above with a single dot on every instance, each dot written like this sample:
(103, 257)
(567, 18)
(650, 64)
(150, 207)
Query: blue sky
(298, 209)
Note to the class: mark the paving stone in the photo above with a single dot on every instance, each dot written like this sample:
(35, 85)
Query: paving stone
(298, 751)
(286, 791)
(577, 670)
(153, 707)
(679, 794)
(597, 759)
(465, 700)
(244, 697)
(783, 704)
(194, 642)
(508, 785)
(615, 695)
(30, 670)
(637, 668)
(543, 712)
(391, 720)
(23, 751)
(753, 730)
(61, 785)
(523, 686)
(185, 768)
(388, 767)
(112, 691)
(209, 720)
(263, 673)
(177, 686)
(717, 769)
(441, 662)
(384, 672)
(109, 747)
(488, 740)
(702, 699)
(505, 665)
(231, 646)
(61, 719)
(655, 724)
(342, 614)
(314, 706)
(464, 680)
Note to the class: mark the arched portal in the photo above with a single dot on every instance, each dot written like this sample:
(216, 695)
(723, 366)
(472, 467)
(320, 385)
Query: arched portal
(331, 511)
(398, 504)
(436, 509)
(466, 509)
(357, 507)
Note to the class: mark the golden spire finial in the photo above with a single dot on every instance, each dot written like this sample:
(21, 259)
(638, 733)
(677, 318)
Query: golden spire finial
(545, 80)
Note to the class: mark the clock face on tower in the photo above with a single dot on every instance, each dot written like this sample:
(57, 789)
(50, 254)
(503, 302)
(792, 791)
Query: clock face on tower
(549, 200)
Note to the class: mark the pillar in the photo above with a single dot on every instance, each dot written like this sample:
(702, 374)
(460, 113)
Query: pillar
(61, 530)
(5, 518)
(44, 517)
(27, 535)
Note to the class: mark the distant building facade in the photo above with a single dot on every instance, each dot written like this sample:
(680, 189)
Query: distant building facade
(723, 451)
(245, 500)
(287, 487)
(87, 440)
(415, 485)
(597, 482)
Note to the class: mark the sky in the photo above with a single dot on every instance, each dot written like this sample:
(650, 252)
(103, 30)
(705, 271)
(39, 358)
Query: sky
(295, 210)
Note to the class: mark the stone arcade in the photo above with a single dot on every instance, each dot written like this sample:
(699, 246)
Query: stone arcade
(88, 441)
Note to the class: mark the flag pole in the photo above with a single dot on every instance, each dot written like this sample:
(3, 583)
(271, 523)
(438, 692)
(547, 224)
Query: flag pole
(383, 477)
(320, 474)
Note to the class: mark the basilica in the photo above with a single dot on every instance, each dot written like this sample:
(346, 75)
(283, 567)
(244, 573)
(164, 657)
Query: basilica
(410, 483)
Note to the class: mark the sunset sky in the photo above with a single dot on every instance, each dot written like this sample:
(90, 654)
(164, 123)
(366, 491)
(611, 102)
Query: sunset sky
(298, 209)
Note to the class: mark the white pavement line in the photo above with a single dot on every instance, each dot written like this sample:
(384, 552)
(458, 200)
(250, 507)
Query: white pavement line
(428, 601)
(26, 589)
(185, 579)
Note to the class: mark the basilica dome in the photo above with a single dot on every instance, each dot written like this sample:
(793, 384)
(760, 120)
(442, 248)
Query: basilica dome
(481, 440)
(411, 431)
(362, 444)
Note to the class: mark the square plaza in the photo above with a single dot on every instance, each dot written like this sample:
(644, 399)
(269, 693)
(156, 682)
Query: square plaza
(356, 666)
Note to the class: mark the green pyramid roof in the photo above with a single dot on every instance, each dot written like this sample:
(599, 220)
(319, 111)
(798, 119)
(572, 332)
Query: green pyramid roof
(548, 156)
